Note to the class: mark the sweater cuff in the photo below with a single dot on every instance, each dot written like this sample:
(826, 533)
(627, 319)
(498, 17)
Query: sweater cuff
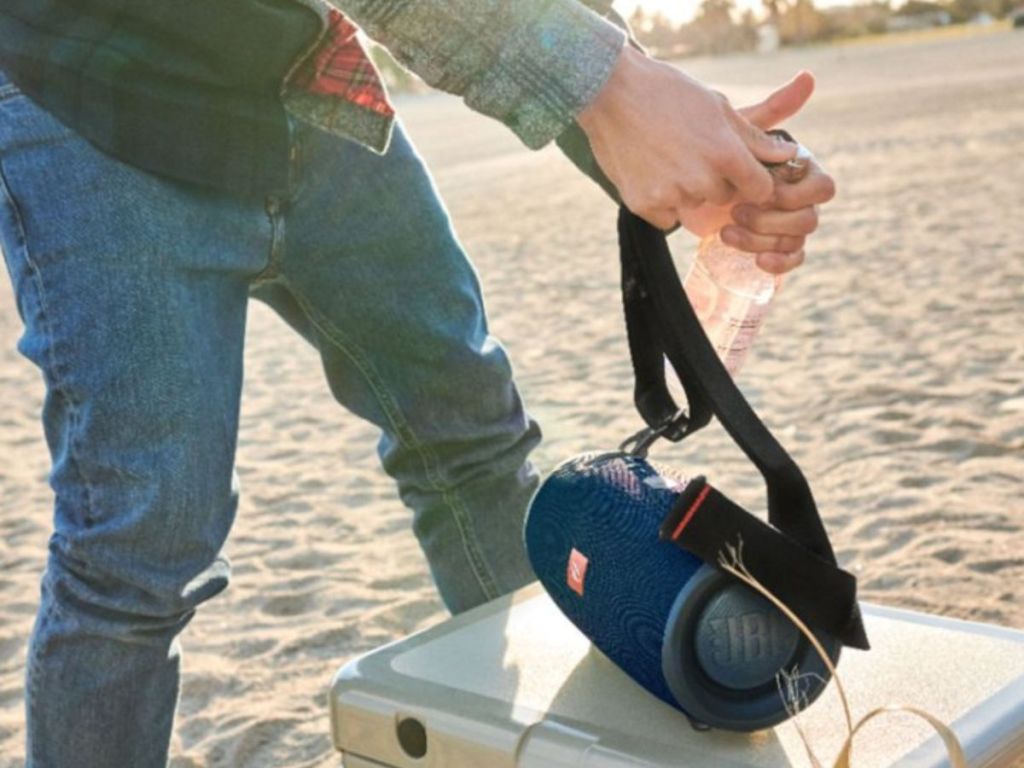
(549, 70)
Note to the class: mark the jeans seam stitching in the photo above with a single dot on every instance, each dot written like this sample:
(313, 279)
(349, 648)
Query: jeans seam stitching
(272, 267)
(408, 438)
(34, 670)
(59, 384)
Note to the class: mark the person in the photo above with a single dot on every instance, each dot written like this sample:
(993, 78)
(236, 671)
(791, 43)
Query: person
(163, 162)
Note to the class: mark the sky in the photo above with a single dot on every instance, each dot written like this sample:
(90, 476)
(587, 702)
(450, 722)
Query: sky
(683, 10)
(677, 10)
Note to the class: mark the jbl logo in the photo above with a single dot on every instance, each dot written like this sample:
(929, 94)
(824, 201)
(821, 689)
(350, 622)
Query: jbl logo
(747, 638)
(576, 571)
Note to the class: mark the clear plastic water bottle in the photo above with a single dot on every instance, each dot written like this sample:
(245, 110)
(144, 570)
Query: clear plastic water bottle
(730, 294)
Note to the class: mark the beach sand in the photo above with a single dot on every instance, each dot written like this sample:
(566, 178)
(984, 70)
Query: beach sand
(892, 367)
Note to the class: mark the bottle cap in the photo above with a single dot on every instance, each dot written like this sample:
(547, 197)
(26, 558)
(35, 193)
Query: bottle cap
(793, 170)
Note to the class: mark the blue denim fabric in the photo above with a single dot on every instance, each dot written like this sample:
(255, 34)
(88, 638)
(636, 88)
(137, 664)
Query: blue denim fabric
(133, 293)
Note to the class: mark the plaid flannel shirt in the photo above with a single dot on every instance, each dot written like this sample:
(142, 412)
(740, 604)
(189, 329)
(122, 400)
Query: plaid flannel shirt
(338, 88)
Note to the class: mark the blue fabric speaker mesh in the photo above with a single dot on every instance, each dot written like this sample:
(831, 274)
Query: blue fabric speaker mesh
(609, 507)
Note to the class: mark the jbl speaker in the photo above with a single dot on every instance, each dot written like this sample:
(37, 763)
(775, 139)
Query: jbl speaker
(629, 551)
(692, 635)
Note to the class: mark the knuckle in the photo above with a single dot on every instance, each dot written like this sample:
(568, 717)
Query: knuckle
(753, 219)
(632, 203)
(689, 202)
(787, 243)
(761, 190)
(641, 201)
(744, 240)
(718, 194)
(828, 188)
(810, 222)
(664, 220)
(785, 198)
(656, 196)
(729, 160)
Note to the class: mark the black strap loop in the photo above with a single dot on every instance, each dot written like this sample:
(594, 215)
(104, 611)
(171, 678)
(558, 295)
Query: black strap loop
(661, 323)
(647, 350)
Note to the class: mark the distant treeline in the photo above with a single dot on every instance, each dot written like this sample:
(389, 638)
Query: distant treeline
(718, 27)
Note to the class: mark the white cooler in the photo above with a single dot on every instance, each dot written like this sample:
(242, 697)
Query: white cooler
(513, 684)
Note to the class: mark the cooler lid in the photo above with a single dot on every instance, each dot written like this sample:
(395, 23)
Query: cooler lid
(513, 683)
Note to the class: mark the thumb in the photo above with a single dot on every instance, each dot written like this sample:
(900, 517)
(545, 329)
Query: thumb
(763, 146)
(781, 104)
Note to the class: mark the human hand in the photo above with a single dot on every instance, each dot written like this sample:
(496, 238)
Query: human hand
(670, 145)
(775, 231)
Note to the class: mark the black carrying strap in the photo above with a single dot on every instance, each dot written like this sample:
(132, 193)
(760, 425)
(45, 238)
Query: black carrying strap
(818, 591)
(661, 323)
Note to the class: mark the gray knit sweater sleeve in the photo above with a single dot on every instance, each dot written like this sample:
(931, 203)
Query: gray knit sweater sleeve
(533, 64)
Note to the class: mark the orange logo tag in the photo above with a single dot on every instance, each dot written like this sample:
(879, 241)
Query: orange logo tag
(576, 572)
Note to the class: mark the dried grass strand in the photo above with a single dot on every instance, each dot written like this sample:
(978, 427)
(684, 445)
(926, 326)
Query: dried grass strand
(731, 560)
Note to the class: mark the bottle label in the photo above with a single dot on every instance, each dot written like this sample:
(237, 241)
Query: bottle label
(731, 321)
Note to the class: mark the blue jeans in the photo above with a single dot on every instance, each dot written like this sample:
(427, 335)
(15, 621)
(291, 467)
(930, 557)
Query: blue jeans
(133, 292)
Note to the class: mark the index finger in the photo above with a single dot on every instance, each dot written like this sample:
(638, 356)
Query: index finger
(752, 180)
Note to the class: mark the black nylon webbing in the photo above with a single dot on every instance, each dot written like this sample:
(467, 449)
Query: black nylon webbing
(647, 350)
(705, 522)
(661, 321)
